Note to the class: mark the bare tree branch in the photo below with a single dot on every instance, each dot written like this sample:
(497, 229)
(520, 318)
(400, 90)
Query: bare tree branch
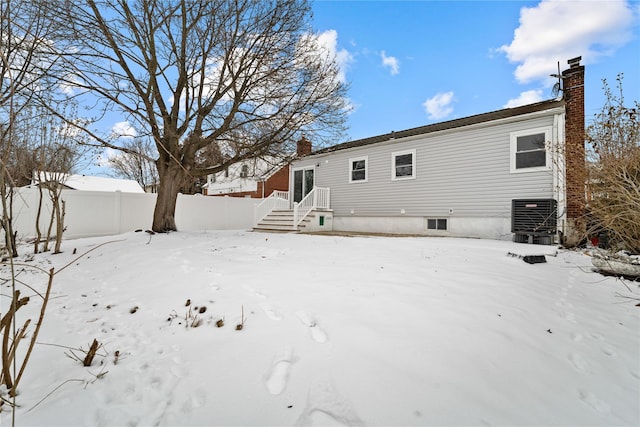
(248, 77)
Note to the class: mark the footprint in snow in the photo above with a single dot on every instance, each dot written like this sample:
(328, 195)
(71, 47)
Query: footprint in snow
(252, 292)
(196, 399)
(578, 362)
(576, 337)
(278, 375)
(325, 406)
(316, 331)
(271, 312)
(570, 317)
(592, 400)
(608, 350)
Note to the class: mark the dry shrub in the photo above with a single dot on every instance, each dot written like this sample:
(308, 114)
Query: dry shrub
(614, 172)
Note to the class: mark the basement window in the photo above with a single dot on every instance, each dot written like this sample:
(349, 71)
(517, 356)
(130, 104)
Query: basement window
(358, 169)
(403, 165)
(436, 224)
(529, 151)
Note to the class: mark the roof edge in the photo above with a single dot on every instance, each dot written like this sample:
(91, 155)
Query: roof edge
(450, 124)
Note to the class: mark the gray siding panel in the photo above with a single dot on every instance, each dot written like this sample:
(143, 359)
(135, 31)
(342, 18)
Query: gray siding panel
(467, 170)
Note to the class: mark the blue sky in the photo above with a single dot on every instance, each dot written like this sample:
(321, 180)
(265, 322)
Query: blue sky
(411, 63)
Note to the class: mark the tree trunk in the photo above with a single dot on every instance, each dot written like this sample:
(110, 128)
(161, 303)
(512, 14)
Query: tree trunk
(60, 212)
(172, 175)
(7, 218)
(36, 243)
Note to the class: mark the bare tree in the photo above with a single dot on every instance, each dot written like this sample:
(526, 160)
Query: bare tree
(247, 76)
(57, 149)
(136, 163)
(614, 160)
(27, 57)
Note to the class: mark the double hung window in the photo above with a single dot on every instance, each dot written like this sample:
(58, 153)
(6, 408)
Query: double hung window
(403, 165)
(358, 169)
(529, 151)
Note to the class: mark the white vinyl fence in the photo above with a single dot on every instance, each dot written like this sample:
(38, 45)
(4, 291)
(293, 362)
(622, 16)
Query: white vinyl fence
(100, 213)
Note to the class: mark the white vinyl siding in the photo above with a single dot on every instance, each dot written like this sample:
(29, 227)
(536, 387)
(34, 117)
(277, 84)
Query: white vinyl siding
(466, 170)
(358, 169)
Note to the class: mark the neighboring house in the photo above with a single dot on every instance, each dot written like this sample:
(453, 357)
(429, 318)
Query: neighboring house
(501, 174)
(254, 177)
(151, 188)
(92, 183)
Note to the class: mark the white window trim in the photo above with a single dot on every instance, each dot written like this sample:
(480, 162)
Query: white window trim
(513, 137)
(393, 165)
(366, 169)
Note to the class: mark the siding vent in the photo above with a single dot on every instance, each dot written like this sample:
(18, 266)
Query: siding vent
(534, 220)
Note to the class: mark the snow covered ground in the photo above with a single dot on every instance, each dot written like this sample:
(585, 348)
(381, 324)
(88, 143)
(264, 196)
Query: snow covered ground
(337, 330)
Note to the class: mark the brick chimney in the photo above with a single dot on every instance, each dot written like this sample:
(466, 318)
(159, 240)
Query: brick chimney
(303, 147)
(573, 90)
(574, 152)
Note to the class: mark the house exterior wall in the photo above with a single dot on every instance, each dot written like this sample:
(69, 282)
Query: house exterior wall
(463, 175)
(263, 176)
(277, 181)
(241, 188)
(259, 189)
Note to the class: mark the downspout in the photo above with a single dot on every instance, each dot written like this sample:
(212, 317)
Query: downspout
(559, 166)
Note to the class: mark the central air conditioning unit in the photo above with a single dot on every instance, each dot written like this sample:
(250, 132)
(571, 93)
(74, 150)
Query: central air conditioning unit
(534, 220)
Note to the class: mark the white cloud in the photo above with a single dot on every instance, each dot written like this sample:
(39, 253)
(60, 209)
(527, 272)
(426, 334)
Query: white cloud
(328, 41)
(123, 130)
(557, 30)
(526, 97)
(102, 159)
(439, 105)
(69, 86)
(391, 62)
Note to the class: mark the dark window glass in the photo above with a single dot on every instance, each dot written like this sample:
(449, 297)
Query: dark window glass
(531, 142)
(404, 165)
(358, 170)
(437, 224)
(531, 159)
(297, 186)
(308, 181)
(530, 151)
